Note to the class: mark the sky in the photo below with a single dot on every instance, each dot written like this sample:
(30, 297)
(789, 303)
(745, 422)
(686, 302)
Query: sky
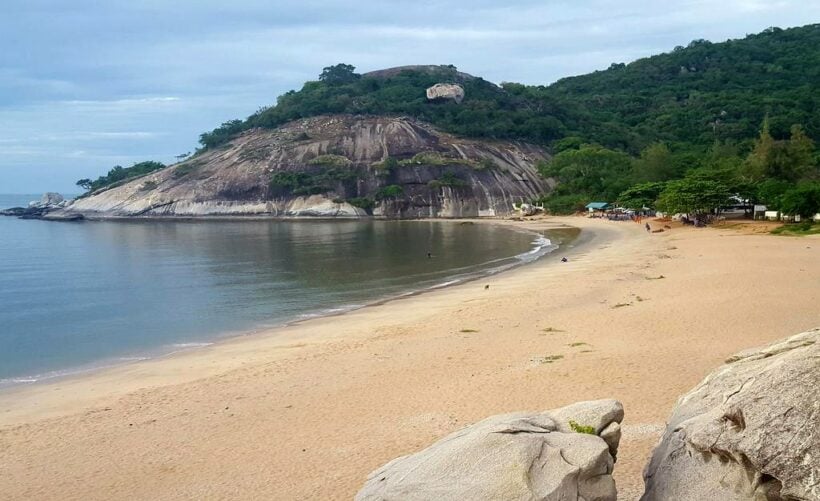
(88, 84)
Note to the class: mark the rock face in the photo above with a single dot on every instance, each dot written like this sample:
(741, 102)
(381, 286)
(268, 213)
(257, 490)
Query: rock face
(446, 91)
(749, 431)
(515, 456)
(334, 166)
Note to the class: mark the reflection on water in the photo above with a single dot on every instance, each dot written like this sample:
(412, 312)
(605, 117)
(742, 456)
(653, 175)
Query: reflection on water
(78, 293)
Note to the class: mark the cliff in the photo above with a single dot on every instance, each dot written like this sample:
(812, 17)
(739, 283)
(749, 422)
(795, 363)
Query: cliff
(332, 166)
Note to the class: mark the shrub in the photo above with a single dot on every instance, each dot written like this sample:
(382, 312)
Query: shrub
(579, 428)
(363, 203)
(331, 161)
(448, 179)
(183, 170)
(391, 191)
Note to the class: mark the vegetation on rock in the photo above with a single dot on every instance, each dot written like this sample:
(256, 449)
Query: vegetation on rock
(118, 174)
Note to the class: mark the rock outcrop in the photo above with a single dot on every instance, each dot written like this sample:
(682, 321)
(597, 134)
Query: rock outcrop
(515, 456)
(48, 203)
(749, 431)
(453, 92)
(334, 166)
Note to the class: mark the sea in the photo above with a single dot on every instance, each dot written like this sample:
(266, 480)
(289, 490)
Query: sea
(78, 296)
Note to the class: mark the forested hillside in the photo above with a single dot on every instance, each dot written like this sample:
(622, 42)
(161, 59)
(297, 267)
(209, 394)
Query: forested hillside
(740, 116)
(691, 95)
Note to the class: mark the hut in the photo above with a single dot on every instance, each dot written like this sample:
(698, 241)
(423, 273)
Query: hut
(597, 207)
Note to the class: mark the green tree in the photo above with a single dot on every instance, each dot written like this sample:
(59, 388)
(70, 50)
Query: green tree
(84, 183)
(339, 74)
(656, 163)
(770, 191)
(591, 170)
(804, 200)
(693, 196)
(641, 195)
(801, 154)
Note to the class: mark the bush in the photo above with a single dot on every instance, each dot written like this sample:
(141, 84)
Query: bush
(804, 200)
(433, 158)
(448, 179)
(386, 166)
(183, 170)
(391, 191)
(331, 161)
(363, 203)
(118, 174)
(579, 428)
(565, 204)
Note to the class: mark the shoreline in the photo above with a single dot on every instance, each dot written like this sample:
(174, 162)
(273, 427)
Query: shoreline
(90, 371)
(270, 327)
(308, 413)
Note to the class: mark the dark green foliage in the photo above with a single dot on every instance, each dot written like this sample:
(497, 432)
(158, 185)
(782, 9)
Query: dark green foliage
(770, 191)
(363, 203)
(391, 191)
(283, 183)
(705, 92)
(591, 170)
(691, 96)
(119, 173)
(640, 196)
(565, 204)
(339, 74)
(222, 134)
(693, 196)
(448, 179)
(803, 200)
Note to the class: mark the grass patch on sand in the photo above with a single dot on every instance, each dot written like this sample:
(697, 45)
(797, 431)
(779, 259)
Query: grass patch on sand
(621, 305)
(797, 229)
(468, 330)
(659, 277)
(579, 428)
(551, 329)
(579, 343)
(548, 359)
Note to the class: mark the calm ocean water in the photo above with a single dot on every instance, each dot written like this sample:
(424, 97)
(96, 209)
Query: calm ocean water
(74, 296)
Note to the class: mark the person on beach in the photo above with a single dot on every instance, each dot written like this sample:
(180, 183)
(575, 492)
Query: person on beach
(648, 228)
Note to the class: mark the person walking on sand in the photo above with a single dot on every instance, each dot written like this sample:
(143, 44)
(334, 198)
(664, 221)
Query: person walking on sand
(648, 228)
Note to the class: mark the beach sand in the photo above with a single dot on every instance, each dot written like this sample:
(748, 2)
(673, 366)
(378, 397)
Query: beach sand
(307, 411)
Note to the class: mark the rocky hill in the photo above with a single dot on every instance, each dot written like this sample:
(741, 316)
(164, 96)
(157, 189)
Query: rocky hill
(330, 166)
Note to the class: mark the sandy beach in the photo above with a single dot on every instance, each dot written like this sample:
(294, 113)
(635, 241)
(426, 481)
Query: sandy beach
(307, 411)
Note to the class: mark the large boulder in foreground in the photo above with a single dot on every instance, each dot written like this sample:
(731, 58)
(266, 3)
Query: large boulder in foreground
(514, 456)
(749, 431)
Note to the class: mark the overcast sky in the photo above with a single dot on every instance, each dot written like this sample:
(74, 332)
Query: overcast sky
(88, 84)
